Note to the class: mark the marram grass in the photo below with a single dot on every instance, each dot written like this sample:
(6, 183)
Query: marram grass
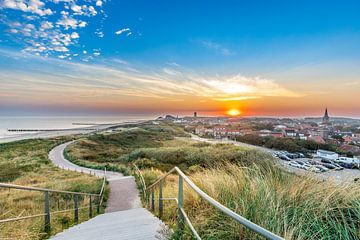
(291, 206)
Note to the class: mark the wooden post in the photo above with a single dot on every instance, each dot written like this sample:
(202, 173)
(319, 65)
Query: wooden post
(180, 220)
(47, 212)
(76, 209)
(148, 199)
(160, 199)
(90, 208)
(98, 205)
(152, 199)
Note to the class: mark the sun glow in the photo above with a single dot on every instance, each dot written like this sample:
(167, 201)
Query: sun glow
(233, 112)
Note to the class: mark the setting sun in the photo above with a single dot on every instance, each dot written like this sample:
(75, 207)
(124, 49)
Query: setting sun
(233, 112)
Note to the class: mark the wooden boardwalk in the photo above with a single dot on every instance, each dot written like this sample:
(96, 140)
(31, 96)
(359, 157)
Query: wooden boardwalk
(132, 224)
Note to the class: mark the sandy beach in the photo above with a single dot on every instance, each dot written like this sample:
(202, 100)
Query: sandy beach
(61, 132)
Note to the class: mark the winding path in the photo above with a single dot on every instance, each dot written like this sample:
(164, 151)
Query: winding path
(124, 217)
(123, 195)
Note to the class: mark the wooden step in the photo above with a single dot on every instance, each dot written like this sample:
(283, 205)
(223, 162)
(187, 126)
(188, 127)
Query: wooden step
(131, 224)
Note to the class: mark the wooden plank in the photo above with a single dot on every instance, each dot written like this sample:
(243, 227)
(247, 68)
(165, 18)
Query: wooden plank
(136, 223)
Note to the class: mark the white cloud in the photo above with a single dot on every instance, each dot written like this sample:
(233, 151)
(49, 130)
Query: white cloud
(76, 8)
(119, 32)
(82, 24)
(46, 25)
(96, 54)
(32, 6)
(74, 35)
(113, 84)
(92, 10)
(100, 34)
(54, 34)
(68, 22)
(61, 49)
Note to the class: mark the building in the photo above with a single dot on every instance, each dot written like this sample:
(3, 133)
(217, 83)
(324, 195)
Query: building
(195, 114)
(264, 133)
(317, 139)
(327, 154)
(289, 132)
(326, 118)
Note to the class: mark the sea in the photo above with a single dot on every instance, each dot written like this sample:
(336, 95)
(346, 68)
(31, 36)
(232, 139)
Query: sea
(58, 122)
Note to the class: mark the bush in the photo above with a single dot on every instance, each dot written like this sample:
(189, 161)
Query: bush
(167, 157)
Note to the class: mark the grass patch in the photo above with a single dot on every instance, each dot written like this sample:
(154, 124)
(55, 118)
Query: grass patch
(245, 180)
(26, 163)
(288, 205)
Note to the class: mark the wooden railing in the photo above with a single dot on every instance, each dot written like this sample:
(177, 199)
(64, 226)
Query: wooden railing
(97, 198)
(149, 193)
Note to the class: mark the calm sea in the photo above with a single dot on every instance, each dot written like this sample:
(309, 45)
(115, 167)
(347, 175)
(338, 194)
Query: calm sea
(35, 122)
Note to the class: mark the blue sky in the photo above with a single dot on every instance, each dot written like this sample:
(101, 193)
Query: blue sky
(293, 48)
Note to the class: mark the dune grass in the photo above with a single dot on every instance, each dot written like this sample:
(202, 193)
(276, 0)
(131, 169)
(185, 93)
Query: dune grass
(245, 180)
(26, 163)
(292, 206)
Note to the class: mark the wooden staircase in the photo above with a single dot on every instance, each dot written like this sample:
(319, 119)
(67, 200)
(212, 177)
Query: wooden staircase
(133, 224)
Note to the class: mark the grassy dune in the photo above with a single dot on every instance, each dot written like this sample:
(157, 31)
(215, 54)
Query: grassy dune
(26, 163)
(291, 206)
(245, 180)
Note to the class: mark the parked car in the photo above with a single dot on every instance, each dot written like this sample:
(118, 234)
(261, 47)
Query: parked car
(284, 157)
(306, 166)
(338, 167)
(301, 155)
(294, 164)
(314, 169)
(324, 160)
(329, 165)
(322, 168)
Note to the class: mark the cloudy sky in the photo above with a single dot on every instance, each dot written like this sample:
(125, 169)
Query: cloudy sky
(270, 58)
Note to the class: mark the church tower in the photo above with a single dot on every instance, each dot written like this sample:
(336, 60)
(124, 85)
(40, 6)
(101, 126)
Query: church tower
(326, 118)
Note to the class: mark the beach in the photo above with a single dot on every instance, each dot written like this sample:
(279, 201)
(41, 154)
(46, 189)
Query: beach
(20, 128)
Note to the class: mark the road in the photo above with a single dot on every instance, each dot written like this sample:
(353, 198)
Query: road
(123, 195)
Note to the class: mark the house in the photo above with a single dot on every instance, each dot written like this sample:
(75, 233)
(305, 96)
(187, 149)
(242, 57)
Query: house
(355, 150)
(347, 139)
(277, 134)
(327, 154)
(200, 130)
(317, 139)
(232, 133)
(290, 132)
(264, 133)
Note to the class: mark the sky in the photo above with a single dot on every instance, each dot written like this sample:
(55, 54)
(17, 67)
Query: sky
(263, 58)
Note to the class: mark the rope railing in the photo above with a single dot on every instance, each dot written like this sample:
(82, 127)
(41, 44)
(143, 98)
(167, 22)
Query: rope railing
(47, 213)
(182, 216)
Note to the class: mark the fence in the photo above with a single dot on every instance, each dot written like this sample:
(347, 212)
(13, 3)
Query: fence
(149, 195)
(97, 198)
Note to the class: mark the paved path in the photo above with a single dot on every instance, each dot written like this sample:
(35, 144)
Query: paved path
(133, 224)
(123, 219)
(123, 191)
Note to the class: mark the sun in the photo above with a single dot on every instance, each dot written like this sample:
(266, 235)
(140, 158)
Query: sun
(233, 112)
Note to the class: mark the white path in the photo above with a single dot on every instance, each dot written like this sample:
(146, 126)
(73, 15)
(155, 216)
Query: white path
(56, 155)
(124, 217)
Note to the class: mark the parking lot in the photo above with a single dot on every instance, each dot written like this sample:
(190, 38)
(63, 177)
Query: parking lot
(340, 172)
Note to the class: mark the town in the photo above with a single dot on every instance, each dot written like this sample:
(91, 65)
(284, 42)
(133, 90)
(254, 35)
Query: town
(317, 144)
